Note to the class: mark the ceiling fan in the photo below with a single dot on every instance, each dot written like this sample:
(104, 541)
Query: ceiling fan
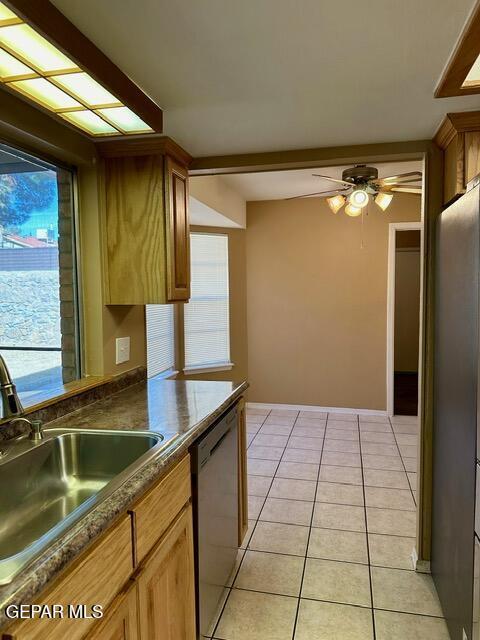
(360, 184)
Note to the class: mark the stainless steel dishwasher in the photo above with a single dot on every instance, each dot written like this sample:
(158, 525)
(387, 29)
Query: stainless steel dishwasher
(215, 503)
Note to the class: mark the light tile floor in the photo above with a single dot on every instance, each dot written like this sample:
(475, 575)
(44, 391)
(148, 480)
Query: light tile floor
(328, 552)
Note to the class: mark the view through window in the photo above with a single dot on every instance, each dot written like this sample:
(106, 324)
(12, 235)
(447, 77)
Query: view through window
(38, 325)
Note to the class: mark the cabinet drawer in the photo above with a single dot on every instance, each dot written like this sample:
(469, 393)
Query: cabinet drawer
(96, 578)
(154, 513)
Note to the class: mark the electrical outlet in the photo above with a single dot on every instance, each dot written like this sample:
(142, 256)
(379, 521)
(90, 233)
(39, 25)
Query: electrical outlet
(122, 350)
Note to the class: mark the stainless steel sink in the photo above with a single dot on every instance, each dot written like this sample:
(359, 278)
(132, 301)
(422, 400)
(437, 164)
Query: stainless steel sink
(46, 487)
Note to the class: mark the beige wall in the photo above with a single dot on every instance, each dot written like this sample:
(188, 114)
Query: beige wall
(215, 193)
(407, 309)
(238, 316)
(316, 302)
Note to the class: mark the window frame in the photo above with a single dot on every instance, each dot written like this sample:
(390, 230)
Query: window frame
(35, 156)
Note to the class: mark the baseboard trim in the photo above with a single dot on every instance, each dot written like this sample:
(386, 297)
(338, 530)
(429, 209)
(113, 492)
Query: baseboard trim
(309, 407)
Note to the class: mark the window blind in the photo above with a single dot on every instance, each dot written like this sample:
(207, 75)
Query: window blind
(207, 317)
(160, 338)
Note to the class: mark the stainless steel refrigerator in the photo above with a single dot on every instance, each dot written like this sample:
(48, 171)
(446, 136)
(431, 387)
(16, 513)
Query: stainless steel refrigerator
(455, 439)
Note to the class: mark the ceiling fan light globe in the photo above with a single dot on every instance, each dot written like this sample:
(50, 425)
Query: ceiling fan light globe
(336, 203)
(353, 211)
(383, 200)
(358, 198)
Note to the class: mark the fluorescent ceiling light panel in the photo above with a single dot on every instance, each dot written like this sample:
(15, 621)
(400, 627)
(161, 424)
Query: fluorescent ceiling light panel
(46, 93)
(89, 122)
(11, 68)
(33, 49)
(6, 14)
(37, 69)
(86, 89)
(473, 76)
(125, 119)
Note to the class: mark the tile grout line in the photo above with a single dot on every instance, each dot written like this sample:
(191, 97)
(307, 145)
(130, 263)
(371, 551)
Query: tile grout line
(403, 463)
(308, 539)
(366, 534)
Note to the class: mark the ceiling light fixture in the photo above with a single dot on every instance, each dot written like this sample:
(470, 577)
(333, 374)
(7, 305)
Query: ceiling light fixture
(34, 67)
(360, 183)
(358, 198)
(353, 211)
(336, 203)
(383, 200)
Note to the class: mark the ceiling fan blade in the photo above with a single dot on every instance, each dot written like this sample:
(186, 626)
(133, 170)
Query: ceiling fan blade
(407, 189)
(412, 176)
(317, 175)
(318, 193)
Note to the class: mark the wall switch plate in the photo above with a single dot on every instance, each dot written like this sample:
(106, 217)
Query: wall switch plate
(122, 350)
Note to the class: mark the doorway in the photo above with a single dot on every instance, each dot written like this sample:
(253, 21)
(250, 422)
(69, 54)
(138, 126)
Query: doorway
(404, 309)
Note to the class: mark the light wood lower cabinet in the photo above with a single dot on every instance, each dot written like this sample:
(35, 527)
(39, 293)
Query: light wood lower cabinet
(166, 586)
(121, 621)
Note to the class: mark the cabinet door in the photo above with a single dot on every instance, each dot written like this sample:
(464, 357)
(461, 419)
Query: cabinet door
(121, 619)
(134, 230)
(472, 155)
(242, 473)
(166, 586)
(178, 236)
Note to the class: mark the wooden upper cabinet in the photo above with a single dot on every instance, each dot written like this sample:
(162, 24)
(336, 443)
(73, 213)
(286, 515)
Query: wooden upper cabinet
(178, 238)
(459, 137)
(145, 224)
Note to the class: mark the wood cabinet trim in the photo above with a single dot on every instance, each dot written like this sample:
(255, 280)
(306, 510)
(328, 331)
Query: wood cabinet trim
(157, 509)
(150, 145)
(455, 123)
(177, 231)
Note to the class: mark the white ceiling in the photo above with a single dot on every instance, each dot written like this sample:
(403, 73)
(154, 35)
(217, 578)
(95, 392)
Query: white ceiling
(276, 185)
(264, 75)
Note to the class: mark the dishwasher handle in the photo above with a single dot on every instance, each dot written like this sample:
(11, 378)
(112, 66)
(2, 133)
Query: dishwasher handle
(209, 443)
(215, 446)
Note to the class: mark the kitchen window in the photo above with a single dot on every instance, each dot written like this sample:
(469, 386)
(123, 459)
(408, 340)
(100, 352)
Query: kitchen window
(38, 293)
(206, 316)
(160, 339)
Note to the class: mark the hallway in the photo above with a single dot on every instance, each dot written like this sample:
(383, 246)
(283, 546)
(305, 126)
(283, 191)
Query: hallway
(328, 551)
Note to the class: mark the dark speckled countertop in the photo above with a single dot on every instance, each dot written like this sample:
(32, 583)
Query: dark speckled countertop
(180, 410)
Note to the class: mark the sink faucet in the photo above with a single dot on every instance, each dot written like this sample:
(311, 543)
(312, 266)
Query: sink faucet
(36, 433)
(10, 405)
